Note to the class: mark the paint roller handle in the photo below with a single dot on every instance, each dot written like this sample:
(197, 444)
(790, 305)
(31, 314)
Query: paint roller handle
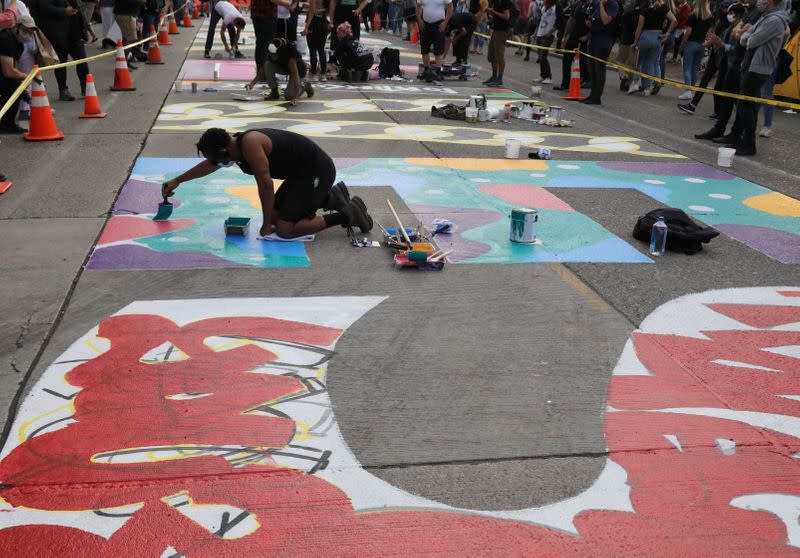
(399, 223)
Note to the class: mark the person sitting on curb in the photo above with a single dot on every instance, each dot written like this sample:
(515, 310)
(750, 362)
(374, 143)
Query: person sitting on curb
(283, 58)
(306, 170)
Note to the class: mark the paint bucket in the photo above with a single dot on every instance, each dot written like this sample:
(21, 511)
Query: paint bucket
(557, 113)
(194, 87)
(216, 72)
(483, 115)
(725, 156)
(526, 111)
(512, 148)
(471, 114)
(474, 101)
(523, 225)
(536, 91)
(537, 113)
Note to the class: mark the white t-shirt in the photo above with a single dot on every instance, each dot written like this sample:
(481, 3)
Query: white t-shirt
(433, 10)
(227, 11)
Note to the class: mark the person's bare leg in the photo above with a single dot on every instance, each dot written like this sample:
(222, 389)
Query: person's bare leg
(287, 229)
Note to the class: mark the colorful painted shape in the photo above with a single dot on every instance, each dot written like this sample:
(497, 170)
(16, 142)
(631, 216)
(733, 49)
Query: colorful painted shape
(526, 195)
(111, 451)
(194, 236)
(775, 203)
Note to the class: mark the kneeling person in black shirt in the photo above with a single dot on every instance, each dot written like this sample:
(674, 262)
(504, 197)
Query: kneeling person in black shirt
(459, 33)
(283, 58)
(307, 172)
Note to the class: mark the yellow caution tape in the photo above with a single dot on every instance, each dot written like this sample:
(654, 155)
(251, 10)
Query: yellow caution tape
(760, 100)
(30, 77)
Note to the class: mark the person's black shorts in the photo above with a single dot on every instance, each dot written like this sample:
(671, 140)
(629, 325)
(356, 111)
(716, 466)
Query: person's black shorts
(410, 15)
(432, 36)
(299, 197)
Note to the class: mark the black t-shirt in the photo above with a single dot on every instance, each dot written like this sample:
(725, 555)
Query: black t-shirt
(630, 21)
(699, 28)
(462, 20)
(292, 155)
(654, 18)
(286, 53)
(500, 6)
(9, 46)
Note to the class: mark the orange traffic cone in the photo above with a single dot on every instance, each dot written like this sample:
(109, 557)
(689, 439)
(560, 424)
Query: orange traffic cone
(91, 107)
(376, 22)
(574, 93)
(43, 125)
(154, 52)
(173, 27)
(415, 36)
(187, 20)
(122, 77)
(196, 10)
(163, 35)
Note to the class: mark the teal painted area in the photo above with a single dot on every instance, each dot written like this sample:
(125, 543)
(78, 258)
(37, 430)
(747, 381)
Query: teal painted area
(206, 202)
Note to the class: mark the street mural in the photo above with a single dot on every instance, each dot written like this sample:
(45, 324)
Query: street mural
(204, 428)
(478, 201)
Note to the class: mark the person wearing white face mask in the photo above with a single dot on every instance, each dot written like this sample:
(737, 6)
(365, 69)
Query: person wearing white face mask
(307, 172)
(11, 48)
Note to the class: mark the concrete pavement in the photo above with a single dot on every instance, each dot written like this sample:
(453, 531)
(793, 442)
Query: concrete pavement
(496, 408)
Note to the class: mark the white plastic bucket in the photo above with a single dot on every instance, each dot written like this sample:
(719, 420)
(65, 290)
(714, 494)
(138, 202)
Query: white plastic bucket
(725, 156)
(512, 148)
(471, 114)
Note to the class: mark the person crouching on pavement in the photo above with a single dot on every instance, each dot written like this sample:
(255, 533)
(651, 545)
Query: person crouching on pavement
(283, 58)
(432, 19)
(306, 170)
(459, 33)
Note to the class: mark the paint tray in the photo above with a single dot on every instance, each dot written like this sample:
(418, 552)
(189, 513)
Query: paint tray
(401, 260)
(237, 225)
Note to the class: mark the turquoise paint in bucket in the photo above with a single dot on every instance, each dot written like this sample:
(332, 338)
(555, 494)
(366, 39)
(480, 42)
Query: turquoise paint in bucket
(523, 225)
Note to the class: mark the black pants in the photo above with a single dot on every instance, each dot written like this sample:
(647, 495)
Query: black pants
(747, 111)
(342, 14)
(76, 50)
(299, 197)
(212, 25)
(566, 64)
(287, 29)
(7, 87)
(461, 48)
(544, 64)
(598, 70)
(367, 16)
(726, 104)
(317, 35)
(711, 69)
(265, 31)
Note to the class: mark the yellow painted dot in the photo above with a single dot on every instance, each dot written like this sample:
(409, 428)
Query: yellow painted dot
(775, 203)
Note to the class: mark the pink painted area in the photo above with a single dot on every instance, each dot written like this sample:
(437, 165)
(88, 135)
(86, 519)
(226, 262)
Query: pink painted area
(789, 293)
(526, 195)
(229, 70)
(121, 228)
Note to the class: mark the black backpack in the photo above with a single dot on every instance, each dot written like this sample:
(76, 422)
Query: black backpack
(683, 234)
(389, 65)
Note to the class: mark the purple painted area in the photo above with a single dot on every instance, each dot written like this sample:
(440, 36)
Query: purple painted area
(129, 256)
(465, 220)
(781, 245)
(138, 196)
(668, 169)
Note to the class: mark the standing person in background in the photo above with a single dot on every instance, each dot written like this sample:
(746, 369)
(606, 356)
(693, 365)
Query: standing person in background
(26, 61)
(714, 65)
(63, 25)
(544, 38)
(500, 12)
(650, 41)
(349, 11)
(479, 7)
(110, 27)
(316, 33)
(433, 17)
(151, 16)
(263, 14)
(410, 17)
(125, 14)
(626, 52)
(576, 35)
(286, 24)
(367, 15)
(379, 9)
(520, 29)
(768, 92)
(534, 17)
(682, 11)
(9, 15)
(87, 11)
(11, 48)
(459, 34)
(601, 39)
(698, 25)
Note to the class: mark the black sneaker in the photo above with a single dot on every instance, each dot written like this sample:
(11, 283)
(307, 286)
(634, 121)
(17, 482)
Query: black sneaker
(206, 54)
(239, 55)
(687, 108)
(65, 95)
(12, 129)
(711, 134)
(489, 81)
(730, 139)
(273, 95)
(357, 216)
(338, 197)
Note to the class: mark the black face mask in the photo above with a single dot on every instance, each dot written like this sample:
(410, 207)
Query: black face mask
(222, 158)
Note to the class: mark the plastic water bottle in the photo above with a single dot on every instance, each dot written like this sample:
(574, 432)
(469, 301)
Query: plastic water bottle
(658, 238)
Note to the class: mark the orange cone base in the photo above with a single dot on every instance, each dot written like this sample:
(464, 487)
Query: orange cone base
(123, 89)
(56, 136)
(187, 21)
(4, 186)
(159, 62)
(98, 115)
(571, 98)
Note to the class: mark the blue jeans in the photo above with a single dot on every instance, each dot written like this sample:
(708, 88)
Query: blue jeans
(692, 56)
(649, 51)
(483, 27)
(395, 17)
(662, 59)
(768, 92)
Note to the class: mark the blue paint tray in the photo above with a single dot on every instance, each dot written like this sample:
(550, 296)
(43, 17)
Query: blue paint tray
(237, 225)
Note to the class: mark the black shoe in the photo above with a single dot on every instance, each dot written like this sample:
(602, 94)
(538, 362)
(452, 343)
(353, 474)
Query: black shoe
(338, 197)
(273, 95)
(746, 151)
(624, 84)
(140, 56)
(239, 55)
(407, 38)
(357, 216)
(489, 81)
(206, 54)
(83, 90)
(590, 101)
(730, 139)
(656, 89)
(64, 95)
(711, 134)
(108, 43)
(12, 129)
(687, 108)
(131, 67)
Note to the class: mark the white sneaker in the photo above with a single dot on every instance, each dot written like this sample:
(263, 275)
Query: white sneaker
(648, 92)
(634, 88)
(686, 95)
(765, 132)
(537, 80)
(547, 81)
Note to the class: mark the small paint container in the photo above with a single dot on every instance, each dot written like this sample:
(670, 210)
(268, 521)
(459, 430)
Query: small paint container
(557, 113)
(471, 115)
(237, 225)
(523, 225)
(194, 87)
(216, 72)
(512, 148)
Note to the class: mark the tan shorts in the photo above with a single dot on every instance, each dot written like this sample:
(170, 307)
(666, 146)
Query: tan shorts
(497, 45)
(127, 25)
